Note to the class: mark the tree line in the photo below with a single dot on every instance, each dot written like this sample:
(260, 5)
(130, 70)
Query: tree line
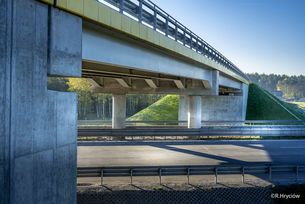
(293, 87)
(98, 106)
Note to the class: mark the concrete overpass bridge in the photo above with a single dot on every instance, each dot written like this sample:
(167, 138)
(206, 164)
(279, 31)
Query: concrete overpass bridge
(123, 47)
(134, 47)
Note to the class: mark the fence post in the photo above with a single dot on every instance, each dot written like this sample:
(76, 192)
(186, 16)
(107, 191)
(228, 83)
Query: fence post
(160, 176)
(188, 176)
(297, 173)
(131, 171)
(270, 173)
(243, 175)
(216, 175)
(102, 177)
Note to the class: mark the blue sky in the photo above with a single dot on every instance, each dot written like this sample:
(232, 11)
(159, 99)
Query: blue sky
(264, 36)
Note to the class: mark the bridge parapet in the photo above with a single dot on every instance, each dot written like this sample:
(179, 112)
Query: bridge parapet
(144, 20)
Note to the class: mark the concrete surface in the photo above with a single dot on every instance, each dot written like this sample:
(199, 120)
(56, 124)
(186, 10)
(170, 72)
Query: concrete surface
(65, 44)
(223, 108)
(37, 126)
(123, 52)
(118, 111)
(194, 112)
(190, 153)
(183, 108)
(245, 93)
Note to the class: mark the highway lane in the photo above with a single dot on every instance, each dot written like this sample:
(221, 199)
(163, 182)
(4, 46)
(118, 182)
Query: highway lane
(190, 153)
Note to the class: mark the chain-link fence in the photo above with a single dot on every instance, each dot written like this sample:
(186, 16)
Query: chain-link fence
(246, 195)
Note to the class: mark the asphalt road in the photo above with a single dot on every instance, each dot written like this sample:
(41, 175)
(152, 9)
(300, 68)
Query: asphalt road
(190, 153)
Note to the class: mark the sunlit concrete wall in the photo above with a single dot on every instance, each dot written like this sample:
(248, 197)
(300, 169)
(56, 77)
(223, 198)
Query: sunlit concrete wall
(222, 108)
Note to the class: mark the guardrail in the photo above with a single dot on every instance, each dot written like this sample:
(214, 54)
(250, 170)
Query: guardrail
(187, 171)
(184, 122)
(256, 130)
(149, 14)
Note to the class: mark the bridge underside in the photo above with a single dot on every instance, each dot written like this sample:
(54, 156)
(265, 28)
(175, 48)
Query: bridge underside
(116, 64)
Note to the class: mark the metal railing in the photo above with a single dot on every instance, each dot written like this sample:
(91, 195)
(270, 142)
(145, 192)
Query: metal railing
(149, 14)
(84, 123)
(188, 171)
(257, 130)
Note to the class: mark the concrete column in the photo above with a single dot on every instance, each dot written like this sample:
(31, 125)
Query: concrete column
(118, 111)
(38, 127)
(245, 90)
(194, 112)
(183, 108)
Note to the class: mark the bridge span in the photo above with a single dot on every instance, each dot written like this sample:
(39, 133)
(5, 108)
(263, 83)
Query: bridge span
(134, 47)
(128, 47)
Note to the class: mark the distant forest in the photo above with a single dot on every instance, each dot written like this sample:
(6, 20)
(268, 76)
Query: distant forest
(99, 106)
(293, 87)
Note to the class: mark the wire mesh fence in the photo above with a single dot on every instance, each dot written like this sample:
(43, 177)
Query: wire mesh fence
(218, 195)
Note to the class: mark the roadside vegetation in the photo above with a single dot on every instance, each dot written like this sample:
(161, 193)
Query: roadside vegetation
(164, 109)
(262, 105)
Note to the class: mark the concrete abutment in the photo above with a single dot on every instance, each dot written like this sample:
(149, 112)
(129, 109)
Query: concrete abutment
(213, 108)
(38, 127)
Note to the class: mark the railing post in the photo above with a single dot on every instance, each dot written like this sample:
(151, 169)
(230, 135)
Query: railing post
(160, 176)
(121, 6)
(140, 11)
(176, 31)
(166, 26)
(216, 175)
(155, 18)
(102, 177)
(184, 36)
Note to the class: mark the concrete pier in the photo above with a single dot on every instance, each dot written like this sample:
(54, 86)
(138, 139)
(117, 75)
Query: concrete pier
(183, 108)
(118, 111)
(194, 112)
(38, 127)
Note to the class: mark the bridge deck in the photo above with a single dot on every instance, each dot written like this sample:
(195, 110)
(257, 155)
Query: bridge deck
(146, 19)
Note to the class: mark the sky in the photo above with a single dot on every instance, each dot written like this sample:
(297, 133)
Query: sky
(264, 36)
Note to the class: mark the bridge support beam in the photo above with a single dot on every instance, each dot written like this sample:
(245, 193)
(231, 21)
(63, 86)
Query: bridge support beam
(118, 111)
(38, 127)
(194, 112)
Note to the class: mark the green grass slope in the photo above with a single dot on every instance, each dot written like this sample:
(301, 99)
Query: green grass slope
(164, 109)
(262, 105)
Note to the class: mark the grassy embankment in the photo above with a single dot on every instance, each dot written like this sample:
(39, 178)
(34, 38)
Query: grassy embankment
(162, 110)
(261, 106)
